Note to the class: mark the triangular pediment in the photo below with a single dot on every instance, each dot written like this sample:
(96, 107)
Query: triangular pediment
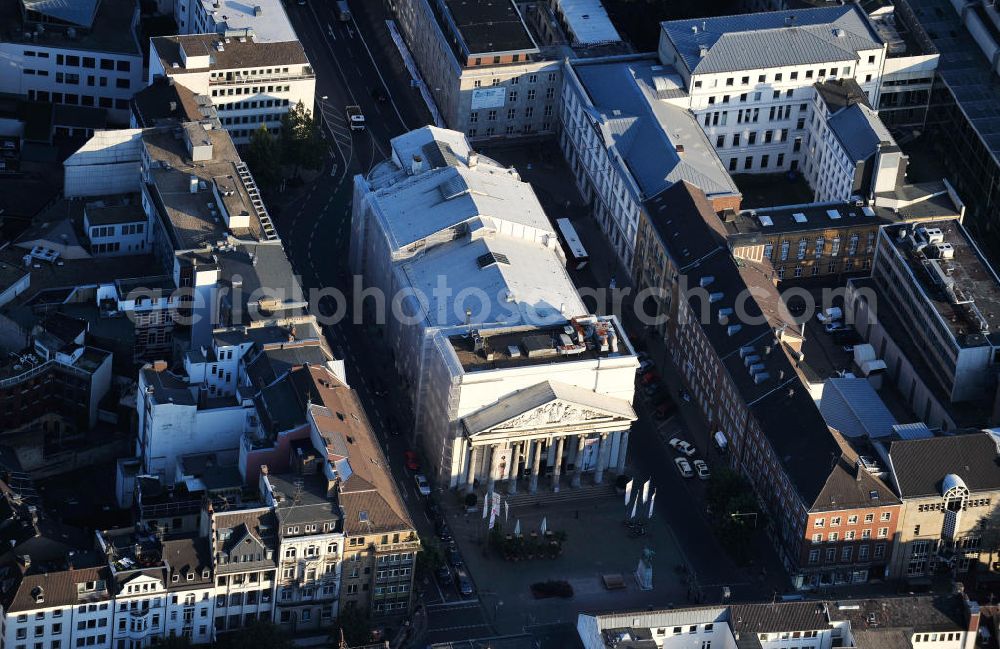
(549, 405)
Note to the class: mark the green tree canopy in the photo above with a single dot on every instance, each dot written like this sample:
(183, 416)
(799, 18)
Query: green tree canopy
(354, 624)
(301, 142)
(263, 156)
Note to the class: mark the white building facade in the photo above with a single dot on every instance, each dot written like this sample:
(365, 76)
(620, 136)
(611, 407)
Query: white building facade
(522, 372)
(246, 97)
(87, 55)
(755, 107)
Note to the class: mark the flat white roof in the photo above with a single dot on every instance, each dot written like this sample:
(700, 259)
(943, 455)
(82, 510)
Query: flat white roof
(530, 287)
(588, 21)
(417, 207)
(271, 25)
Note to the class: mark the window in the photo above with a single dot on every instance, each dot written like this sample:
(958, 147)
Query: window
(720, 141)
(871, 60)
(879, 550)
(833, 537)
(764, 159)
(748, 163)
(849, 535)
(729, 81)
(835, 521)
(732, 164)
(846, 552)
(121, 83)
(883, 532)
(886, 516)
(869, 518)
(492, 116)
(817, 538)
(813, 556)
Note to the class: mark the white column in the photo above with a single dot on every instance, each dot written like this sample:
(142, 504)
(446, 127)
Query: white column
(622, 451)
(515, 459)
(536, 465)
(557, 467)
(470, 475)
(602, 459)
(581, 440)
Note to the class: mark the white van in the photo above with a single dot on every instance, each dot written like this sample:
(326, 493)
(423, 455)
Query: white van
(721, 442)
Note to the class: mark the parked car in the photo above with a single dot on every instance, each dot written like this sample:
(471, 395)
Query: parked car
(830, 327)
(411, 461)
(393, 426)
(423, 487)
(682, 447)
(442, 530)
(464, 583)
(831, 314)
(433, 509)
(650, 377)
(444, 576)
(849, 349)
(701, 468)
(684, 467)
(664, 409)
(453, 555)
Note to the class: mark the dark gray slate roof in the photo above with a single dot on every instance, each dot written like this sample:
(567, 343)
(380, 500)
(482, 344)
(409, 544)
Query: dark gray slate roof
(772, 39)
(920, 465)
(859, 131)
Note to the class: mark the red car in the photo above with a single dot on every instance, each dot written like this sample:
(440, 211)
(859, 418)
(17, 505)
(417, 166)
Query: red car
(650, 377)
(411, 460)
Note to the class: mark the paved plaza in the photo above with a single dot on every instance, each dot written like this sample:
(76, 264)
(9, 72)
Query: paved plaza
(597, 543)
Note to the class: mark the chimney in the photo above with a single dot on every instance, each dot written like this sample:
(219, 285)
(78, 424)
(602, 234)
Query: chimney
(416, 165)
(159, 366)
(473, 159)
(858, 468)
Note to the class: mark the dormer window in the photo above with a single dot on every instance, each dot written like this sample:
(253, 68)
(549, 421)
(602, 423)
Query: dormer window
(190, 576)
(175, 578)
(204, 573)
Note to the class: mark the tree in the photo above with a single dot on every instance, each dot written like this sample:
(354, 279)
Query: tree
(430, 557)
(355, 626)
(735, 511)
(262, 635)
(301, 142)
(263, 156)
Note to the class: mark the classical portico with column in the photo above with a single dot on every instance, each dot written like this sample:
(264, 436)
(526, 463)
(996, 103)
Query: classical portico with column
(546, 436)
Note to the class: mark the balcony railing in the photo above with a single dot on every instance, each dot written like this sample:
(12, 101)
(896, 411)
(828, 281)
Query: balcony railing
(247, 80)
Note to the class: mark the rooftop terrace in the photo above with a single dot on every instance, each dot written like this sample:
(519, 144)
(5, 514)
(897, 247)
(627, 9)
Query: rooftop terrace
(581, 339)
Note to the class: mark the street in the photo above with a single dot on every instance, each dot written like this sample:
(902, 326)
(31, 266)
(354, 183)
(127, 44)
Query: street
(357, 64)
